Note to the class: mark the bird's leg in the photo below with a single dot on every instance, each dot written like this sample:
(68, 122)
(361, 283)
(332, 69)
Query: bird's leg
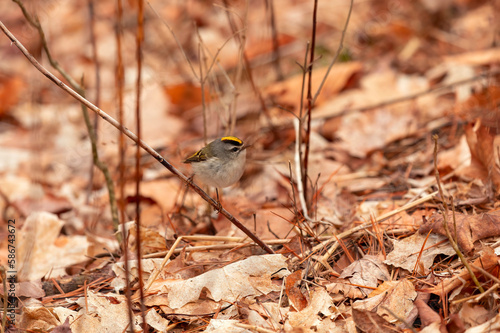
(219, 205)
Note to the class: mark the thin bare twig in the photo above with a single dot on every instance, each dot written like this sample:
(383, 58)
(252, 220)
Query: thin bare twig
(337, 54)
(193, 71)
(310, 105)
(298, 144)
(276, 47)
(155, 274)
(241, 38)
(120, 82)
(238, 242)
(445, 219)
(312, 100)
(97, 71)
(298, 170)
(239, 67)
(139, 41)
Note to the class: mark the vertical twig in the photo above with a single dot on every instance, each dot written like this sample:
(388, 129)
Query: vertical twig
(337, 54)
(248, 67)
(120, 82)
(139, 41)
(276, 47)
(305, 161)
(298, 144)
(239, 67)
(298, 170)
(201, 56)
(97, 67)
(102, 167)
(445, 219)
(311, 100)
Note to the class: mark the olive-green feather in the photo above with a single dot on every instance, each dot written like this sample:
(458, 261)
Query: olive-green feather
(196, 157)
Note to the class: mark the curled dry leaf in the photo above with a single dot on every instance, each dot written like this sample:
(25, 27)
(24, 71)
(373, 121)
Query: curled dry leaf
(391, 301)
(297, 299)
(318, 307)
(472, 314)
(469, 228)
(64, 328)
(482, 112)
(37, 318)
(151, 240)
(428, 316)
(367, 271)
(31, 289)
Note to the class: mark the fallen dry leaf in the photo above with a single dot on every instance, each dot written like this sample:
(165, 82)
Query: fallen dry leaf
(427, 315)
(363, 133)
(367, 271)
(153, 241)
(102, 313)
(474, 314)
(38, 318)
(491, 325)
(407, 251)
(64, 328)
(391, 301)
(285, 93)
(318, 308)
(371, 322)
(468, 229)
(32, 289)
(43, 251)
(248, 277)
(297, 299)
(225, 325)
(148, 266)
(484, 155)
(10, 90)
(487, 261)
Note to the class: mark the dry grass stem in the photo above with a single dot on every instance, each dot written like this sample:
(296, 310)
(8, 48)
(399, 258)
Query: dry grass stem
(445, 220)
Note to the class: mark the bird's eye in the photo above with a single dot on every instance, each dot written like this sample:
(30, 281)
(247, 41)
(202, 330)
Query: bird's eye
(235, 149)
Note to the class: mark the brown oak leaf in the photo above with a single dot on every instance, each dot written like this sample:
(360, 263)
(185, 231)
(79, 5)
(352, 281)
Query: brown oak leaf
(469, 228)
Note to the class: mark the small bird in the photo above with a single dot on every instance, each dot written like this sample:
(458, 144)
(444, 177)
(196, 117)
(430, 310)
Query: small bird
(220, 163)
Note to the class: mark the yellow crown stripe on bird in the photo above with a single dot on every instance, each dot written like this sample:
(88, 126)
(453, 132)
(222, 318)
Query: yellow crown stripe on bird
(232, 139)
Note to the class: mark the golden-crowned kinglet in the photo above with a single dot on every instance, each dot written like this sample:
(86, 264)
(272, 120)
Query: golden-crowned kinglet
(220, 163)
